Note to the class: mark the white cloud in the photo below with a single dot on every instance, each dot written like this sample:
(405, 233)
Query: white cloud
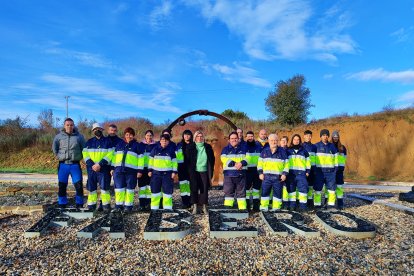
(90, 97)
(160, 100)
(407, 97)
(160, 15)
(121, 8)
(403, 34)
(281, 29)
(239, 73)
(380, 74)
(85, 58)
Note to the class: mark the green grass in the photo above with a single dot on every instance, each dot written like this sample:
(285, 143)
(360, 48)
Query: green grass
(28, 170)
(372, 178)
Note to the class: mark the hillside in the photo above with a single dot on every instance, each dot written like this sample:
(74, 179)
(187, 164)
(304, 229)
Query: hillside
(378, 149)
(379, 145)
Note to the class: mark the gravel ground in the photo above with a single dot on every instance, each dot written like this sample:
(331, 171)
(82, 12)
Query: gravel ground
(31, 199)
(62, 253)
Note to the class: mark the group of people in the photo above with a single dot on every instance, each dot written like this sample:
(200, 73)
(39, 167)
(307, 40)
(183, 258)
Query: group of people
(257, 173)
(150, 165)
(268, 172)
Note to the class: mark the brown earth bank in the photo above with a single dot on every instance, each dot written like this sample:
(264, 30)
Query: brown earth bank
(377, 150)
(379, 146)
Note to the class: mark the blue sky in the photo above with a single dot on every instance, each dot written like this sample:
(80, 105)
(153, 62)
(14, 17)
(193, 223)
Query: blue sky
(159, 59)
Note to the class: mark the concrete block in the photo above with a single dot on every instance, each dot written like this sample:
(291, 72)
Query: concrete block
(161, 236)
(88, 235)
(232, 234)
(78, 213)
(117, 235)
(34, 234)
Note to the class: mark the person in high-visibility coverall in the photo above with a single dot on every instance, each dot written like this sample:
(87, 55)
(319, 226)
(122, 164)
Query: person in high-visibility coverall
(128, 164)
(285, 195)
(273, 167)
(299, 169)
(342, 155)
(253, 183)
(326, 161)
(97, 155)
(147, 145)
(67, 146)
(311, 149)
(233, 157)
(162, 170)
(262, 139)
(113, 135)
(184, 179)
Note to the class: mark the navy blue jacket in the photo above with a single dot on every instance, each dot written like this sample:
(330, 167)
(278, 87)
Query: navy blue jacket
(230, 156)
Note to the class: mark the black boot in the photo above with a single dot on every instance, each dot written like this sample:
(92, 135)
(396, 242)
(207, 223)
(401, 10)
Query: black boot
(256, 205)
(340, 202)
(249, 205)
(142, 204)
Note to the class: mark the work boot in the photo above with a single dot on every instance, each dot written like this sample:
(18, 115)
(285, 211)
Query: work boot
(79, 206)
(302, 207)
(310, 203)
(194, 209)
(205, 211)
(340, 202)
(63, 206)
(128, 209)
(256, 205)
(292, 206)
(249, 205)
(100, 208)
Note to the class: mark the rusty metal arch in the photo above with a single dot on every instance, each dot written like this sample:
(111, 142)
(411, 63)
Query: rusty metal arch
(201, 112)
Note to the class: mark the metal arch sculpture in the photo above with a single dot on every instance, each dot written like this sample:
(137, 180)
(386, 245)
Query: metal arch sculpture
(181, 120)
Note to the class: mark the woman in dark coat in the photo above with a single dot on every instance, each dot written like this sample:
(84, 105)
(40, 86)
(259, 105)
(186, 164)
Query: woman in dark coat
(199, 160)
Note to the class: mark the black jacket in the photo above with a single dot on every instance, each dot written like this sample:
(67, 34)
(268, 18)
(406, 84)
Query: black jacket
(190, 161)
